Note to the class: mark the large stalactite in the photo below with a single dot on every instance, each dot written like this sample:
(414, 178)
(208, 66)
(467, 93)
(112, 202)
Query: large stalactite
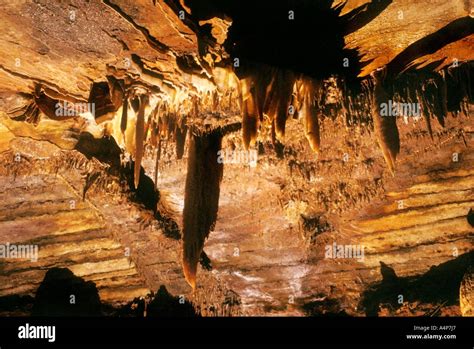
(201, 200)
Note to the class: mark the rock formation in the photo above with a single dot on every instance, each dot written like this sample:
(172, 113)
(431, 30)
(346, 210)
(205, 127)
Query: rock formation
(340, 123)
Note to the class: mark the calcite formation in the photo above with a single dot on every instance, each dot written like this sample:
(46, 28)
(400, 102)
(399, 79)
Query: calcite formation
(113, 114)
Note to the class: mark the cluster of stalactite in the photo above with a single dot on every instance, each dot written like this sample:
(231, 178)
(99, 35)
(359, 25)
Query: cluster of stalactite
(142, 125)
(271, 96)
(148, 121)
(448, 91)
(140, 119)
(266, 97)
(138, 116)
(436, 95)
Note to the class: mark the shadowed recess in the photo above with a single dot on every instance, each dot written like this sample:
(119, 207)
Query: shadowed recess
(267, 32)
(438, 285)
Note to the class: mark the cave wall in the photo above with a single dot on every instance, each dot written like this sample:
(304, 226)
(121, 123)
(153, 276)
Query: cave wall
(161, 73)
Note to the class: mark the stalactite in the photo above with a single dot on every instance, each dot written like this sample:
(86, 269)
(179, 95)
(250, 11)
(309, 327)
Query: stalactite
(281, 116)
(456, 88)
(431, 91)
(260, 90)
(201, 198)
(139, 138)
(154, 134)
(130, 132)
(171, 126)
(295, 105)
(425, 114)
(309, 113)
(354, 105)
(273, 134)
(123, 120)
(135, 103)
(385, 127)
(443, 93)
(250, 116)
(180, 132)
(149, 124)
(278, 100)
(215, 101)
(465, 88)
(195, 106)
(164, 122)
(157, 161)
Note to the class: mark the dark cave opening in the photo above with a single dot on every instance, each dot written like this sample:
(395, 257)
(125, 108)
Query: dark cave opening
(267, 32)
